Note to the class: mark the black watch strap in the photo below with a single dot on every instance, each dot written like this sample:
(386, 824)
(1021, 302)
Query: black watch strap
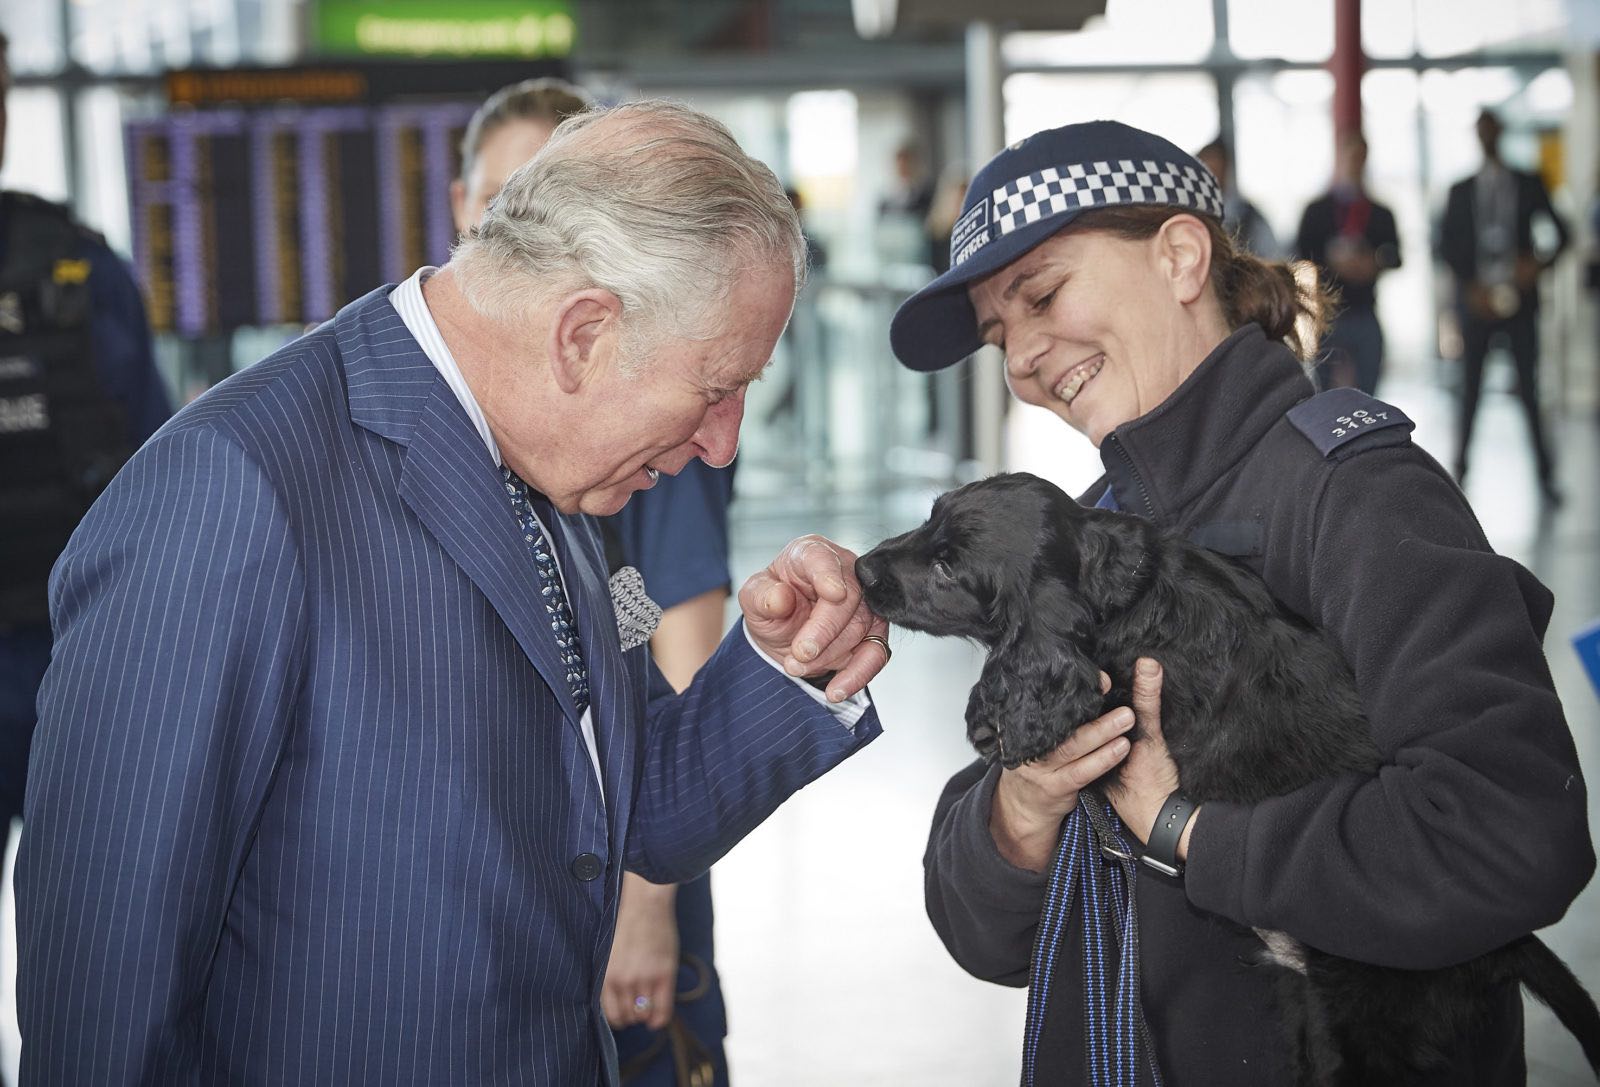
(1161, 853)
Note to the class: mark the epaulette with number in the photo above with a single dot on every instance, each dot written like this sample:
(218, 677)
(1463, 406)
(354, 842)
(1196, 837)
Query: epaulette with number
(1339, 421)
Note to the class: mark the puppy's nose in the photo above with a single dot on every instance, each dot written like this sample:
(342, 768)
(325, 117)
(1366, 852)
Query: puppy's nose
(867, 571)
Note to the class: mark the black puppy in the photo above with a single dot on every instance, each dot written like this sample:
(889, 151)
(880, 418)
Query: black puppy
(1255, 703)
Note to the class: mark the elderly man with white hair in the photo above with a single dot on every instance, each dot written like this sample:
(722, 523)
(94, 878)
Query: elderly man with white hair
(347, 740)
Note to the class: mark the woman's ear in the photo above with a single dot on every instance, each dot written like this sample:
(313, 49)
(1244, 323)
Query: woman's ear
(583, 336)
(1183, 248)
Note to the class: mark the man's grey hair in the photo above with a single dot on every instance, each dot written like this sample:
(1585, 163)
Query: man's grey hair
(650, 200)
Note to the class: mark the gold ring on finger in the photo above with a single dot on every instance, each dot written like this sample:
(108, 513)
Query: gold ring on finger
(879, 639)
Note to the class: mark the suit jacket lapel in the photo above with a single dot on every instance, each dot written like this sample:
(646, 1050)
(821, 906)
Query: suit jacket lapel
(448, 478)
(583, 563)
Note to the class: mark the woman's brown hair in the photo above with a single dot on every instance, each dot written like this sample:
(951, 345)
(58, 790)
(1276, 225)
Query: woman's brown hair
(1288, 301)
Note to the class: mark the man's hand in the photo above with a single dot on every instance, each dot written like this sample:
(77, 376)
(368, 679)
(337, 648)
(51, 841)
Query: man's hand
(806, 612)
(1031, 801)
(644, 956)
(1149, 776)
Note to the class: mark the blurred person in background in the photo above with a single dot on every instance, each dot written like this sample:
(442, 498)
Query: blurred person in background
(676, 535)
(1352, 240)
(79, 392)
(1239, 215)
(1122, 307)
(1487, 240)
(902, 232)
(943, 213)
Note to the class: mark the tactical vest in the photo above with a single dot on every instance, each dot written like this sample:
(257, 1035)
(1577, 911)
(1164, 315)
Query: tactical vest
(62, 437)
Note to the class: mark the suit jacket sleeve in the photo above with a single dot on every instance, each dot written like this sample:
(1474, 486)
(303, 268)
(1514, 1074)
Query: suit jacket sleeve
(1457, 236)
(178, 611)
(1385, 237)
(721, 757)
(1542, 206)
(1474, 830)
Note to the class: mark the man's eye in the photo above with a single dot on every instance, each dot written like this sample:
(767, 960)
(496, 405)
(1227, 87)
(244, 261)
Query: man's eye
(942, 568)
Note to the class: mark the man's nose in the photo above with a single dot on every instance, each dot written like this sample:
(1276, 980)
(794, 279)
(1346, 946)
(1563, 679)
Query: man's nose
(718, 436)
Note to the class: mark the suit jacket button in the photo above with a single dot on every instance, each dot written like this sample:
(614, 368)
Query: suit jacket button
(587, 867)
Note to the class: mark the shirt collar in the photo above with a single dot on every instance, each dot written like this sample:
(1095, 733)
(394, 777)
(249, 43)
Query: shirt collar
(413, 309)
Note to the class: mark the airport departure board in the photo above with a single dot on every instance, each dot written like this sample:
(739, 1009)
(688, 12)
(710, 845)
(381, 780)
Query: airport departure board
(280, 215)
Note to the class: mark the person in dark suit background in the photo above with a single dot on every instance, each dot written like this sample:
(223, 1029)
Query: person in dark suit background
(676, 535)
(1352, 240)
(1487, 240)
(79, 392)
(346, 741)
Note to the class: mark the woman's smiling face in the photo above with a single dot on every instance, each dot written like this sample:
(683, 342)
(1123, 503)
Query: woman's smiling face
(1091, 326)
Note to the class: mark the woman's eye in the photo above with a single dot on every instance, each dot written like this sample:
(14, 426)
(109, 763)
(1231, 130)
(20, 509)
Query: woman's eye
(942, 568)
(1044, 303)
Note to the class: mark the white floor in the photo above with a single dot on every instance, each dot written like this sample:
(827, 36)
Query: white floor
(833, 974)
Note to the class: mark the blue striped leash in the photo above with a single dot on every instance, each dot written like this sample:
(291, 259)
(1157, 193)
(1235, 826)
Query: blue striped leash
(1114, 1025)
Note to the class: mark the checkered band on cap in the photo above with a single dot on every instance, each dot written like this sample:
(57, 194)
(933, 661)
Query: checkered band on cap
(1059, 189)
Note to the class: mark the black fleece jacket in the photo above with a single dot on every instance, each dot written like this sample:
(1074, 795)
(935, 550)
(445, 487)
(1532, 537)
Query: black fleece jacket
(1472, 833)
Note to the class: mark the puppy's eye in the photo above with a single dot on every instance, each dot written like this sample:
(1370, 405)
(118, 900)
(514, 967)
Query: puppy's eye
(942, 568)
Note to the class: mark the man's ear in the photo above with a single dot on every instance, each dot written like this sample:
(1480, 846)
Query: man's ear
(584, 336)
(1183, 247)
(458, 205)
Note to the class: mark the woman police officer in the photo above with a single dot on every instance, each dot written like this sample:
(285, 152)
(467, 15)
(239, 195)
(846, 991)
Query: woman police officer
(1093, 255)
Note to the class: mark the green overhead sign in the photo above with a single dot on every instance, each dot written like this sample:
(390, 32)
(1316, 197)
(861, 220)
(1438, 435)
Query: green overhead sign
(445, 28)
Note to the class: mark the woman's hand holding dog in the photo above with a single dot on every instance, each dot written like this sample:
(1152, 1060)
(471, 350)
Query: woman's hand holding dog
(1031, 801)
(805, 611)
(1149, 776)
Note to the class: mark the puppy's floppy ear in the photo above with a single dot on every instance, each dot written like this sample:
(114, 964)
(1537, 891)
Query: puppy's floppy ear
(1116, 558)
(1034, 691)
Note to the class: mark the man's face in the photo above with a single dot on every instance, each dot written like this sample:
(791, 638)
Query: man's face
(686, 401)
(504, 150)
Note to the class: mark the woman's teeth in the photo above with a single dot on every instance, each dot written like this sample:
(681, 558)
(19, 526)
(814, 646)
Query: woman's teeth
(1077, 377)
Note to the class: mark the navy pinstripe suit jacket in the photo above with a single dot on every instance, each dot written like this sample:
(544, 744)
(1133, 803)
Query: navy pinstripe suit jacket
(308, 785)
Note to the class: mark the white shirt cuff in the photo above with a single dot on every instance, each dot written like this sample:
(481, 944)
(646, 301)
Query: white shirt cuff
(847, 713)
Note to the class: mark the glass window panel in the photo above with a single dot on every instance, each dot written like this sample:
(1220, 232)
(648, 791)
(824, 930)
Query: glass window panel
(1180, 106)
(1283, 144)
(1130, 32)
(102, 173)
(34, 159)
(1449, 27)
(1451, 102)
(1389, 29)
(1301, 30)
(34, 28)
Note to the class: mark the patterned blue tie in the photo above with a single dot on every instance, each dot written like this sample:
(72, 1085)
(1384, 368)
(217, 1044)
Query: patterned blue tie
(550, 590)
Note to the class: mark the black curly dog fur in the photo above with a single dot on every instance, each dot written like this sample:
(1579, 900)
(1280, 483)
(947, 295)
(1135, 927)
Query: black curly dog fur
(1254, 703)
